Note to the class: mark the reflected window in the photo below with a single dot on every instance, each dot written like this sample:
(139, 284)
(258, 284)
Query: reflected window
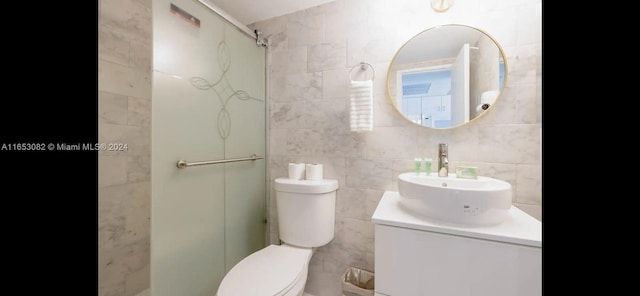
(426, 96)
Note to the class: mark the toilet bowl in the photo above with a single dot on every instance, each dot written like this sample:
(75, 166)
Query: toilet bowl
(306, 216)
(274, 271)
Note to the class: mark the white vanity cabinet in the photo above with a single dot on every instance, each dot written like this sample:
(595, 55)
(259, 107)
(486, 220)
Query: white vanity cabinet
(418, 256)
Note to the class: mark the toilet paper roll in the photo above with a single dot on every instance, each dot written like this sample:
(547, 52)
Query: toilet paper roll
(296, 171)
(314, 171)
(488, 97)
(482, 107)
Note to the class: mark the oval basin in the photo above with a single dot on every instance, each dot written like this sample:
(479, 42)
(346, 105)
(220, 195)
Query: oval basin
(482, 201)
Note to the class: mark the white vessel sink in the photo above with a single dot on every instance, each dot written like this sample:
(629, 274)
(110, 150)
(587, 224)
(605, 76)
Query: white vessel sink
(482, 201)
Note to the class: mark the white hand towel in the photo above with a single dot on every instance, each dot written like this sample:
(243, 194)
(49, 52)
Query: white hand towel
(361, 112)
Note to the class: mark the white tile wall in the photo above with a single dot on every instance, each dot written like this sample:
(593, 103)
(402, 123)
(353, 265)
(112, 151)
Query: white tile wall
(124, 116)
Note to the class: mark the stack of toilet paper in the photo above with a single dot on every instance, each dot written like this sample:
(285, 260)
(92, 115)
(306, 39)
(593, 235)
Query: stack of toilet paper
(305, 171)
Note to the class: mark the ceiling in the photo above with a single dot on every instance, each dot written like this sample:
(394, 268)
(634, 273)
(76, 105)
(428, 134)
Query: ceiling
(251, 11)
(441, 43)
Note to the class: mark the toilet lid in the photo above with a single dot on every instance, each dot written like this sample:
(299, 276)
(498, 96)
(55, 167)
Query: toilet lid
(270, 271)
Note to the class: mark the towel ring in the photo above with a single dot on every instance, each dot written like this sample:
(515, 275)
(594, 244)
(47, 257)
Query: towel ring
(363, 67)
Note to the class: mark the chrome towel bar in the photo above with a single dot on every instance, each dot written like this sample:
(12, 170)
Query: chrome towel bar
(183, 163)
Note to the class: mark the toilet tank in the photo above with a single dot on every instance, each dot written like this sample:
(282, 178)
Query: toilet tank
(306, 211)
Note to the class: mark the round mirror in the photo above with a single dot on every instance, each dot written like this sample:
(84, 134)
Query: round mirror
(446, 76)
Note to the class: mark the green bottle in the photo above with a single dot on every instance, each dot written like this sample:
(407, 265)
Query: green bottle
(427, 166)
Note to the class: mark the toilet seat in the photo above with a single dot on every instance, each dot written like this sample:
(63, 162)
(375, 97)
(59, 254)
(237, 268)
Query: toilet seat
(272, 271)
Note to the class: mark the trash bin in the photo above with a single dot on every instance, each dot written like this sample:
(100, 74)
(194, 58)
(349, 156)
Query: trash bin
(357, 282)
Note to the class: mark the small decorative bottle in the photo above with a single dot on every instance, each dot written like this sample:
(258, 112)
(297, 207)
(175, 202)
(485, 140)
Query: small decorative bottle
(427, 166)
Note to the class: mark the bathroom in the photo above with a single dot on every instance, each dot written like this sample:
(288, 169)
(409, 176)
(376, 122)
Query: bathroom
(311, 52)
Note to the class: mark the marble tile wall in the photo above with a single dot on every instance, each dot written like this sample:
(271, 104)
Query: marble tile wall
(124, 116)
(308, 62)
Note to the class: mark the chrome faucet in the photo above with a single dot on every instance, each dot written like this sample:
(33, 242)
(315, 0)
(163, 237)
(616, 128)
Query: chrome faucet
(443, 160)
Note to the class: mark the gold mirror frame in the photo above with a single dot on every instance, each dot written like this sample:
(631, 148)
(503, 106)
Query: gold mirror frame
(481, 98)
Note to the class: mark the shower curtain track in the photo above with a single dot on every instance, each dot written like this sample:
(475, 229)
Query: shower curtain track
(255, 34)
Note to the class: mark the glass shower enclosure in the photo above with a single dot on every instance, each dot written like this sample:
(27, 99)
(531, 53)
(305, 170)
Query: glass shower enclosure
(208, 103)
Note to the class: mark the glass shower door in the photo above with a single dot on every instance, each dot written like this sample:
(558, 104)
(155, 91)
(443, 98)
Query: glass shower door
(207, 104)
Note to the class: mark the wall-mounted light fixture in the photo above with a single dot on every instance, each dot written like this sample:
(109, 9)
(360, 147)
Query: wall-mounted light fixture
(441, 5)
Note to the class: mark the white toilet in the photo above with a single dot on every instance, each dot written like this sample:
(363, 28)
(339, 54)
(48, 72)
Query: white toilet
(306, 216)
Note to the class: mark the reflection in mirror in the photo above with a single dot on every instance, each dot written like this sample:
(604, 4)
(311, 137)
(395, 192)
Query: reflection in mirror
(446, 76)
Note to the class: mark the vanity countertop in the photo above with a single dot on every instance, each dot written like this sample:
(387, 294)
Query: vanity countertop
(518, 227)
